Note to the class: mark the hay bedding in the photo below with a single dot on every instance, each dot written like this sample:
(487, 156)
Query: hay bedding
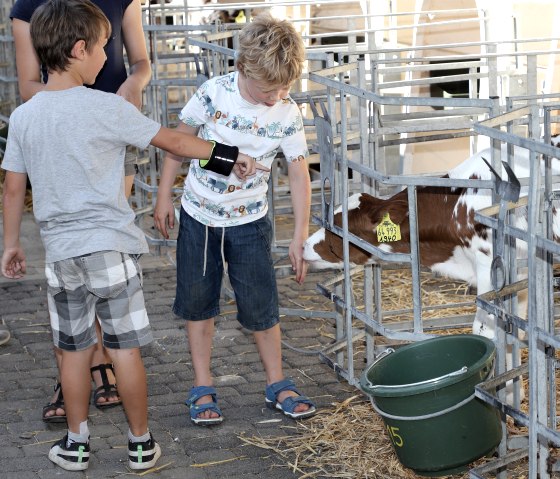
(346, 441)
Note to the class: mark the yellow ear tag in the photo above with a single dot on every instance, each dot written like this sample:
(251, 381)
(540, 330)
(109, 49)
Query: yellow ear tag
(241, 17)
(387, 231)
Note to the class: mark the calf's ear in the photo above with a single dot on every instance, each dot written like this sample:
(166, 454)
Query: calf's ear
(397, 210)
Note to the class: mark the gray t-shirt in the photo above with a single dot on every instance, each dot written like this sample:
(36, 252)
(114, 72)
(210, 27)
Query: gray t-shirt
(71, 143)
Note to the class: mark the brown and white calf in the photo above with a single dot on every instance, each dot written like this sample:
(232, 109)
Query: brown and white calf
(451, 242)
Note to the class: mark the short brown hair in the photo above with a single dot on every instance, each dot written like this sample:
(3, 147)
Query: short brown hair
(270, 50)
(57, 25)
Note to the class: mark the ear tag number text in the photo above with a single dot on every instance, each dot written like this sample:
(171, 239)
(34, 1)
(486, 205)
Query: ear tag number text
(387, 231)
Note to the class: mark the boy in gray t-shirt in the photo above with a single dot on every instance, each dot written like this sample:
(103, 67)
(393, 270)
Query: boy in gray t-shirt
(70, 141)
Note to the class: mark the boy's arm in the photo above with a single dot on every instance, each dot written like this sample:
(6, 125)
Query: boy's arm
(221, 158)
(182, 145)
(300, 187)
(13, 258)
(164, 212)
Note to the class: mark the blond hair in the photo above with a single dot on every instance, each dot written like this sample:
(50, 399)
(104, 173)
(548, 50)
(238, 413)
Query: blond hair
(271, 51)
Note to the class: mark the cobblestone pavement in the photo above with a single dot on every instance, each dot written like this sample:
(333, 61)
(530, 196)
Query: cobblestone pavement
(28, 372)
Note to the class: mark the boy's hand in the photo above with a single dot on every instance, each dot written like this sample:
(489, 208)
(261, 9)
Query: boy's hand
(164, 215)
(246, 166)
(13, 263)
(299, 265)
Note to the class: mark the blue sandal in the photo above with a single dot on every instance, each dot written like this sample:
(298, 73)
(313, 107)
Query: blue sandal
(290, 403)
(195, 409)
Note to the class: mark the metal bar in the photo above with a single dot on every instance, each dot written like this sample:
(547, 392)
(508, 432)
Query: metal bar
(401, 101)
(431, 81)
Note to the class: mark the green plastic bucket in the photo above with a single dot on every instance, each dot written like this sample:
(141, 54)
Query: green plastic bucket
(425, 393)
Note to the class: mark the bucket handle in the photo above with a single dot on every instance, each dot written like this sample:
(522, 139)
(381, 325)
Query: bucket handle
(463, 370)
(425, 416)
(381, 355)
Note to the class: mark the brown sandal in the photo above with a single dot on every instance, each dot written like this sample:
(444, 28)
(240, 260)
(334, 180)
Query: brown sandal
(106, 390)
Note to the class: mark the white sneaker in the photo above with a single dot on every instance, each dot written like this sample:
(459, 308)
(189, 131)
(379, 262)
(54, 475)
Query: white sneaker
(143, 455)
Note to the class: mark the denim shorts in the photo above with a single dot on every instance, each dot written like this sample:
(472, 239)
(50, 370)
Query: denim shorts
(106, 285)
(200, 268)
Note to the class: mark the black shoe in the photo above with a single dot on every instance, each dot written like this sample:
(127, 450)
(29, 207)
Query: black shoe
(73, 458)
(143, 455)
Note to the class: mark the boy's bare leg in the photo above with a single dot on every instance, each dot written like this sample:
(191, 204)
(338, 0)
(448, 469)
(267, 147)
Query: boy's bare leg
(200, 336)
(133, 389)
(269, 346)
(74, 374)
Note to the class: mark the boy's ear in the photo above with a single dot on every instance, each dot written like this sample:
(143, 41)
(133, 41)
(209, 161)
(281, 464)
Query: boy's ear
(79, 49)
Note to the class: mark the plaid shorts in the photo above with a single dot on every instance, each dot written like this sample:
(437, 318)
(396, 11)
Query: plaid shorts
(106, 285)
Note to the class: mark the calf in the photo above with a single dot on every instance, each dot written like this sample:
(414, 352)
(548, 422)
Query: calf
(449, 237)
(451, 242)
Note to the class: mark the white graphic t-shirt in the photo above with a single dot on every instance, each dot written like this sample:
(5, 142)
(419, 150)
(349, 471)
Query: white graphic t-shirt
(258, 130)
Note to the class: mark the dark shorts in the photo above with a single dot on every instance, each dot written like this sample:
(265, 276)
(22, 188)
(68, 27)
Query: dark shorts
(106, 286)
(200, 268)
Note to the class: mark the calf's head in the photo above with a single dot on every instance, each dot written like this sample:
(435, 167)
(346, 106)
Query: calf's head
(323, 249)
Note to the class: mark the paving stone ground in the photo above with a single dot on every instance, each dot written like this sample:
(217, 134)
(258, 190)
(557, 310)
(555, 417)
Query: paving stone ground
(27, 376)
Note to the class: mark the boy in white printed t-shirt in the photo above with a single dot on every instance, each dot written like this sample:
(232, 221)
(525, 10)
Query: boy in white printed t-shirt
(223, 218)
(71, 140)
